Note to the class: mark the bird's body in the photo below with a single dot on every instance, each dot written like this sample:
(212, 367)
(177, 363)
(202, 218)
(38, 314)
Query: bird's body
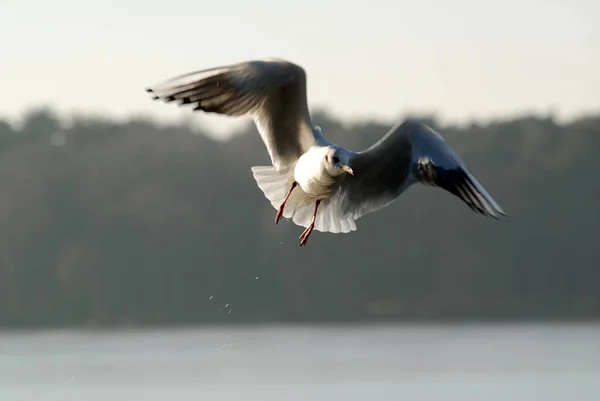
(318, 184)
(313, 177)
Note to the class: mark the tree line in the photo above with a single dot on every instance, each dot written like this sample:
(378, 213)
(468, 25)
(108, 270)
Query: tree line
(108, 223)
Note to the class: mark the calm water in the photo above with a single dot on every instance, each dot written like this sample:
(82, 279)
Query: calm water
(424, 363)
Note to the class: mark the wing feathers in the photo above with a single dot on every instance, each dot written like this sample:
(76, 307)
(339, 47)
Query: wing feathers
(459, 183)
(436, 164)
(272, 92)
(409, 153)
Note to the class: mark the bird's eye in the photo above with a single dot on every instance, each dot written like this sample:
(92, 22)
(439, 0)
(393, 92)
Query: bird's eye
(335, 159)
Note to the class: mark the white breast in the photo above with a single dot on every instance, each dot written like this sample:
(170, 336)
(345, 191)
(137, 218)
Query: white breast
(311, 176)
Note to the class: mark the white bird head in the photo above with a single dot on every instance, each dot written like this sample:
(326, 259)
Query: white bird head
(337, 161)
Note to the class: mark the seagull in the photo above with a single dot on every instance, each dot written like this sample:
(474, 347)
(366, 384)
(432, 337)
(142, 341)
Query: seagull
(318, 184)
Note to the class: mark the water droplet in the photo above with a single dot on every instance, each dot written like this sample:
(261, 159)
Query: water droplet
(229, 313)
(256, 278)
(211, 297)
(226, 305)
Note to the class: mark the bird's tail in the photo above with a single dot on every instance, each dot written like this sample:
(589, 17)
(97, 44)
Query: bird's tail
(275, 185)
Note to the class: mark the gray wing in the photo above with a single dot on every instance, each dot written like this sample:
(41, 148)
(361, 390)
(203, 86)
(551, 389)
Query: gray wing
(409, 153)
(271, 91)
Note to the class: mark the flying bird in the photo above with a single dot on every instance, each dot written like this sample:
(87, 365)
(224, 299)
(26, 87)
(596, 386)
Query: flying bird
(316, 183)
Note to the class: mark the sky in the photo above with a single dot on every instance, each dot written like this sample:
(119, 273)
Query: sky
(460, 59)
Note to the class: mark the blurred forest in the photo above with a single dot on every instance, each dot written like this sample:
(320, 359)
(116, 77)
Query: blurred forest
(134, 223)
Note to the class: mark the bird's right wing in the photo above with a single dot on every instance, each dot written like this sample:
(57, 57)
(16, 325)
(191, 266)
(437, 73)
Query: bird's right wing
(271, 91)
(409, 153)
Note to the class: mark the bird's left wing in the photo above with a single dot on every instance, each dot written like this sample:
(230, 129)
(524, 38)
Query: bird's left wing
(271, 91)
(409, 153)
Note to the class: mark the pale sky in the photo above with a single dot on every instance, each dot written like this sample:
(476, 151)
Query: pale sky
(461, 59)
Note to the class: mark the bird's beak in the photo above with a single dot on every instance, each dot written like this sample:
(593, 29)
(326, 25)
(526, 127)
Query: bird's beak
(348, 170)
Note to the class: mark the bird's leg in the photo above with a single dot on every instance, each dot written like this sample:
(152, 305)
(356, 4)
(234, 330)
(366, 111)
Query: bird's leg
(280, 212)
(304, 236)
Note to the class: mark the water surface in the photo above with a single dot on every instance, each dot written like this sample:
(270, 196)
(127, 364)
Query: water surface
(308, 363)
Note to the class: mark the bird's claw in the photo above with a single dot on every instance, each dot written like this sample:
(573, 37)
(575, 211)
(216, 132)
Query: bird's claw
(279, 214)
(305, 234)
(280, 211)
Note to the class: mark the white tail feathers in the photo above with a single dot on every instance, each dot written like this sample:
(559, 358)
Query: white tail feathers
(299, 207)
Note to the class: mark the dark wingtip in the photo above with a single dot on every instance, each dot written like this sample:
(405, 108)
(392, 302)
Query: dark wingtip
(501, 214)
(500, 211)
(151, 91)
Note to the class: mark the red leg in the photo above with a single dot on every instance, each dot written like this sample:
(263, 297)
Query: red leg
(280, 212)
(304, 236)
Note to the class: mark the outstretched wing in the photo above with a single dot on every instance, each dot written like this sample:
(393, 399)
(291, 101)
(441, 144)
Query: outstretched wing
(271, 91)
(409, 153)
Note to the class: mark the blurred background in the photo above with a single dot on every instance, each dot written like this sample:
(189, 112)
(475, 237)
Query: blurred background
(139, 259)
